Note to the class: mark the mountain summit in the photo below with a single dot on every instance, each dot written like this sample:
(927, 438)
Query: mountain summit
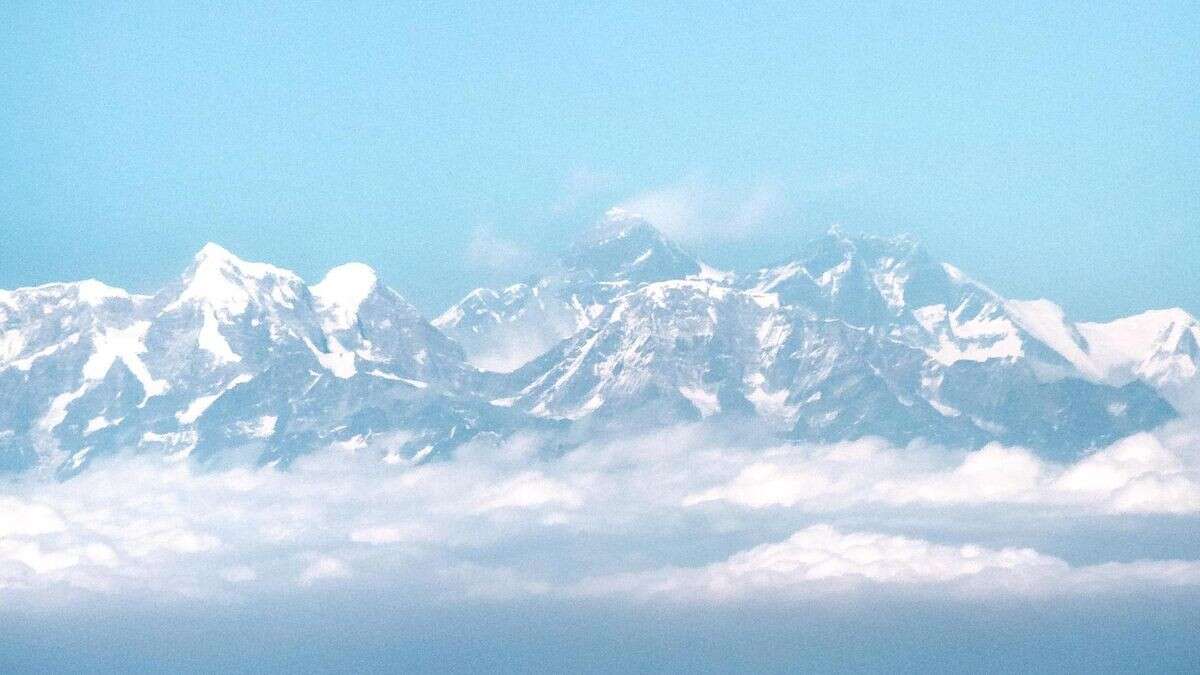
(626, 247)
(504, 329)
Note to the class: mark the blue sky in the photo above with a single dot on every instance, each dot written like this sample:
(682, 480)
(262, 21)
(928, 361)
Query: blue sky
(1049, 152)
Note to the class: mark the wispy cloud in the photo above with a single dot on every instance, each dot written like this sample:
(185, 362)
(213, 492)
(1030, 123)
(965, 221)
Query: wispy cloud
(488, 251)
(581, 184)
(694, 209)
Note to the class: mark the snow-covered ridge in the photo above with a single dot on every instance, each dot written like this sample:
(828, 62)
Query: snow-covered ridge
(1159, 347)
(850, 336)
(1116, 346)
(502, 330)
(89, 291)
(226, 284)
(807, 342)
(200, 365)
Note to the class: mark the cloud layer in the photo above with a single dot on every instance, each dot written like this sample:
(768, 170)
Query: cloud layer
(675, 513)
(1145, 473)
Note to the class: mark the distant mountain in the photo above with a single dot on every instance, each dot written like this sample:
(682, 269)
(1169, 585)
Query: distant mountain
(848, 337)
(854, 336)
(504, 329)
(234, 358)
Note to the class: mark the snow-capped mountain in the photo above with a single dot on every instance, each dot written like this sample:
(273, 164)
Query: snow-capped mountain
(856, 336)
(504, 329)
(233, 357)
(851, 336)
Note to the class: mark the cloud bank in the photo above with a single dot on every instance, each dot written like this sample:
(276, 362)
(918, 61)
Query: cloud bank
(675, 513)
(1144, 473)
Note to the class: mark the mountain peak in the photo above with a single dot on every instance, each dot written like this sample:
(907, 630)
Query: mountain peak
(619, 223)
(213, 256)
(343, 291)
(617, 213)
(221, 280)
(837, 248)
(835, 231)
(212, 251)
(96, 292)
(904, 243)
(625, 246)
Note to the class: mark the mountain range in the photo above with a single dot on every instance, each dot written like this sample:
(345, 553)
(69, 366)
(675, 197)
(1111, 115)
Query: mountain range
(850, 336)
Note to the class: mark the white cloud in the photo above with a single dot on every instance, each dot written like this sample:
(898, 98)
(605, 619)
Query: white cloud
(821, 559)
(323, 568)
(822, 552)
(1138, 474)
(674, 209)
(644, 514)
(758, 208)
(581, 184)
(488, 251)
(19, 518)
(239, 574)
(694, 210)
(529, 489)
(377, 535)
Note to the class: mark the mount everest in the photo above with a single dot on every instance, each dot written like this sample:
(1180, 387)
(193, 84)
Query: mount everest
(849, 337)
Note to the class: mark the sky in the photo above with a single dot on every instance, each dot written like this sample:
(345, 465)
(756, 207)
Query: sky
(1048, 151)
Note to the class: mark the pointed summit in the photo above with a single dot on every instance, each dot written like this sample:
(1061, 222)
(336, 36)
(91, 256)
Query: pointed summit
(214, 256)
(618, 222)
(865, 279)
(225, 283)
(625, 246)
(213, 252)
(504, 329)
(866, 246)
